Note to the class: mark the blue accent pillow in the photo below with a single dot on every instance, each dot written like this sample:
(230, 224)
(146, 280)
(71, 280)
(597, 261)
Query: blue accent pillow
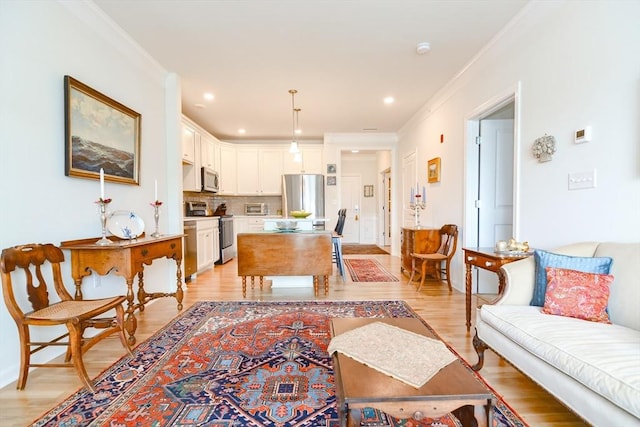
(546, 259)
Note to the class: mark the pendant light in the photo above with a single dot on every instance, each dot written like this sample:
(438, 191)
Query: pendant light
(293, 148)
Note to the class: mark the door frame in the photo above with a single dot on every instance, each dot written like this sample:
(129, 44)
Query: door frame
(472, 125)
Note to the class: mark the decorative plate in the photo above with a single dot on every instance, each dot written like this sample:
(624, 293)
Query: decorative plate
(125, 224)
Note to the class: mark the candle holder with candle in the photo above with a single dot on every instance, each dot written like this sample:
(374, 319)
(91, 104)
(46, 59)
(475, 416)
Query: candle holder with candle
(417, 205)
(103, 221)
(156, 216)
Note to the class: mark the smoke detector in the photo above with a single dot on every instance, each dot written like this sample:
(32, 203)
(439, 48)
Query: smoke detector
(423, 47)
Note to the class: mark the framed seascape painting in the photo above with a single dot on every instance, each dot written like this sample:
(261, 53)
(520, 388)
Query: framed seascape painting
(99, 133)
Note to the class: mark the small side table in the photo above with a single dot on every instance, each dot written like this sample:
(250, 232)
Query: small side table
(487, 259)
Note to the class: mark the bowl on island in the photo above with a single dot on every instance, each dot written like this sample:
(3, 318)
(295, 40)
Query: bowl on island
(299, 214)
(286, 225)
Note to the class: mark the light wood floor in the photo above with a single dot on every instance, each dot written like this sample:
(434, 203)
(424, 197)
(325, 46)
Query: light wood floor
(443, 311)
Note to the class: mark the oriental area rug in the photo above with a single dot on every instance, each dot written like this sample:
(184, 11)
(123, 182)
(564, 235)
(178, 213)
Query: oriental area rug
(368, 270)
(236, 364)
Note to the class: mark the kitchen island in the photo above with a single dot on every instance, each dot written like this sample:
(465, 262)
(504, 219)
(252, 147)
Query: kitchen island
(304, 254)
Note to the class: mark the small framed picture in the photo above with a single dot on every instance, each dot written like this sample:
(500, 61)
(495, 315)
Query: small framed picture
(368, 191)
(331, 180)
(433, 170)
(331, 168)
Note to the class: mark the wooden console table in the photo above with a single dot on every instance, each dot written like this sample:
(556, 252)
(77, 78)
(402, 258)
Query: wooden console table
(127, 259)
(285, 254)
(487, 259)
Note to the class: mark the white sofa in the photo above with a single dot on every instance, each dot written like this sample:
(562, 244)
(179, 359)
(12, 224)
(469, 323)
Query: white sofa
(593, 368)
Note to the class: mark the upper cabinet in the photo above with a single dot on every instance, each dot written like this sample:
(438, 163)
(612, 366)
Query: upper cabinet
(243, 169)
(310, 160)
(227, 169)
(208, 151)
(261, 170)
(190, 158)
(188, 144)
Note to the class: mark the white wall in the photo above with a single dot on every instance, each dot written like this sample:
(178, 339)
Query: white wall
(577, 64)
(41, 41)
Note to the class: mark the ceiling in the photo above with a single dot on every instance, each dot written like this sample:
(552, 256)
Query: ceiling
(342, 56)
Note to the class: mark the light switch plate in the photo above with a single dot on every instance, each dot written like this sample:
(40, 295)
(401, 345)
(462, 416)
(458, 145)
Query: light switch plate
(582, 180)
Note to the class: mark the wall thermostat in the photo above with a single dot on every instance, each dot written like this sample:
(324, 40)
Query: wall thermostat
(583, 135)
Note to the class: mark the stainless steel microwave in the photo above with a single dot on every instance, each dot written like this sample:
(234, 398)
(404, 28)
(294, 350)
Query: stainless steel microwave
(209, 179)
(256, 209)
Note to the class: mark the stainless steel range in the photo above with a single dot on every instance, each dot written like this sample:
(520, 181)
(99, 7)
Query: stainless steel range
(226, 239)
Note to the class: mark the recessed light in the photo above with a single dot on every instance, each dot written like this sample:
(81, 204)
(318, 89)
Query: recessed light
(389, 100)
(423, 47)
(242, 131)
(298, 131)
(355, 151)
(208, 96)
(199, 105)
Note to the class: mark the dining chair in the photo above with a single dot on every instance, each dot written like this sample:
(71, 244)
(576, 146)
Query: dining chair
(441, 258)
(336, 238)
(22, 267)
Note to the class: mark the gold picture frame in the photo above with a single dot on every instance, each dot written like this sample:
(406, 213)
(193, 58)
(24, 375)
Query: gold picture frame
(433, 170)
(99, 133)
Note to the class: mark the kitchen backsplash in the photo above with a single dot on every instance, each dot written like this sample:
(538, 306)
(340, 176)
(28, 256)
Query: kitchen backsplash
(235, 204)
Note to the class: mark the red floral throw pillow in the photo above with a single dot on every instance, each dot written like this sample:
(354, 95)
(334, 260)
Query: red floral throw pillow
(576, 294)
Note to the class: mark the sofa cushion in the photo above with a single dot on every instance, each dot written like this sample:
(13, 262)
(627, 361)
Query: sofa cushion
(576, 294)
(544, 259)
(624, 294)
(603, 357)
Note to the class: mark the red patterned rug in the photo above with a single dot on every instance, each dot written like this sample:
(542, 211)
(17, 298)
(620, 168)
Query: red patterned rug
(368, 270)
(236, 364)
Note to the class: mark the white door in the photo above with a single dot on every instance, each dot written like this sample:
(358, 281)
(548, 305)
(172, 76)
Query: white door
(386, 206)
(495, 191)
(350, 196)
(409, 179)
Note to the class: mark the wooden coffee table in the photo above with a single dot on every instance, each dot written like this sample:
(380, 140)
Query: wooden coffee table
(454, 389)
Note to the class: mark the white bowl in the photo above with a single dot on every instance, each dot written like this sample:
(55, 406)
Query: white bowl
(286, 225)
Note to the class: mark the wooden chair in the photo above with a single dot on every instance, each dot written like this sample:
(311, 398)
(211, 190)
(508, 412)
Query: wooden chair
(448, 244)
(336, 239)
(76, 315)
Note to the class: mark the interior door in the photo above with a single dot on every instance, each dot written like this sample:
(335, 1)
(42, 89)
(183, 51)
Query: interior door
(495, 190)
(409, 179)
(386, 206)
(350, 196)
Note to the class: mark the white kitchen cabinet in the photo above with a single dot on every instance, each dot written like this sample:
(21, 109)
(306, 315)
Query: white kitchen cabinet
(206, 238)
(208, 151)
(227, 169)
(248, 179)
(188, 145)
(311, 160)
(270, 168)
(260, 170)
(190, 158)
(240, 225)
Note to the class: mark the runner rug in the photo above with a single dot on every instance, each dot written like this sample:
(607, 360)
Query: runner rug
(236, 364)
(352, 249)
(368, 270)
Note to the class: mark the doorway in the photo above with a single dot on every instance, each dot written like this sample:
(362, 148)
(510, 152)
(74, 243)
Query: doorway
(351, 200)
(385, 208)
(491, 183)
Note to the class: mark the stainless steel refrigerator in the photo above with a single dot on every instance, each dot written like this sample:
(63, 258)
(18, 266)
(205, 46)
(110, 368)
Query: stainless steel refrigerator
(304, 192)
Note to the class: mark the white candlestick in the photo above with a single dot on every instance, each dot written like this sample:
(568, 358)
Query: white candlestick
(156, 191)
(102, 183)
